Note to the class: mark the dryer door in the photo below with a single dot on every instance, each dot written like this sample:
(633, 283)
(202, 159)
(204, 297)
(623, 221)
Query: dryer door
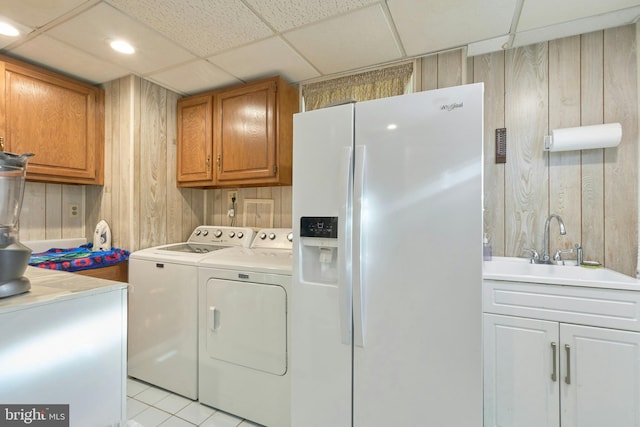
(247, 324)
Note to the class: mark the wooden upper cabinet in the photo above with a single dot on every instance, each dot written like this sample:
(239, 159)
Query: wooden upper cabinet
(195, 147)
(252, 136)
(59, 119)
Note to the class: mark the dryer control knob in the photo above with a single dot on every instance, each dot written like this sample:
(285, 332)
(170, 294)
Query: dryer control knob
(198, 232)
(240, 234)
(232, 234)
(205, 233)
(290, 237)
(262, 236)
(272, 236)
(218, 233)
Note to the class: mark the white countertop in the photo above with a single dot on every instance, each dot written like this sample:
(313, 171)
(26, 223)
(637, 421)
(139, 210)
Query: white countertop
(521, 270)
(48, 286)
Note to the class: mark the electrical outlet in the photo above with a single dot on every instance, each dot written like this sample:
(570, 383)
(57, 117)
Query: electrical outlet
(231, 196)
(74, 210)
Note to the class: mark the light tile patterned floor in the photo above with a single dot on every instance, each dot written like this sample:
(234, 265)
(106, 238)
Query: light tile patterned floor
(149, 406)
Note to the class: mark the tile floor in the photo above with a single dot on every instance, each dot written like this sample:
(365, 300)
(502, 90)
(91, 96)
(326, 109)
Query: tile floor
(149, 406)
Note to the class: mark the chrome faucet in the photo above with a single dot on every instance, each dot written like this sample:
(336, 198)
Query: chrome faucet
(546, 258)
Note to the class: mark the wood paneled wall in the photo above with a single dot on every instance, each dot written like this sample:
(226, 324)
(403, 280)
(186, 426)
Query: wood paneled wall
(581, 80)
(140, 199)
(46, 211)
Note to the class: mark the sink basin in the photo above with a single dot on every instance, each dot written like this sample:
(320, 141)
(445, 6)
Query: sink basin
(521, 270)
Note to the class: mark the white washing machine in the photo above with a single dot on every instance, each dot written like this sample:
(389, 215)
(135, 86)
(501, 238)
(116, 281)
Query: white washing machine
(244, 329)
(163, 301)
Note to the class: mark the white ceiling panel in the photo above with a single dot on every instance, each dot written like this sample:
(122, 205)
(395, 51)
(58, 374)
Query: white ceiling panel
(287, 14)
(265, 58)
(93, 30)
(347, 42)
(36, 13)
(543, 13)
(45, 50)
(579, 26)
(193, 77)
(430, 26)
(219, 24)
(194, 45)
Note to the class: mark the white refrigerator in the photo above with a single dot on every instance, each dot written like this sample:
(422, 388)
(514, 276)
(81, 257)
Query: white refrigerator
(387, 272)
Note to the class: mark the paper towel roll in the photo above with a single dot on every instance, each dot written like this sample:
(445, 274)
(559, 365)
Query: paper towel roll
(584, 137)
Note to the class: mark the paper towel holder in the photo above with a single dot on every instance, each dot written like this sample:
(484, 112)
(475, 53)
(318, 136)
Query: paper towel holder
(584, 137)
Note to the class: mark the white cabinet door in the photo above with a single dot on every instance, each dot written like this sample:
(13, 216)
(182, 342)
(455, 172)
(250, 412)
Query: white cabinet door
(520, 360)
(600, 377)
(68, 351)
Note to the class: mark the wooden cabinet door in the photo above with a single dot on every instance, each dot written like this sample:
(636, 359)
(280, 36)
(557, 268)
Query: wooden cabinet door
(600, 377)
(245, 133)
(195, 117)
(520, 388)
(57, 119)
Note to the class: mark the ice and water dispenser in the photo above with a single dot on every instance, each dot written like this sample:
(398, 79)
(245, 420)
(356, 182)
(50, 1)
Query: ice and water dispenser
(319, 249)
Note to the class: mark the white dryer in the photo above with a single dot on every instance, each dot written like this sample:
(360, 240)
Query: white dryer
(163, 301)
(244, 329)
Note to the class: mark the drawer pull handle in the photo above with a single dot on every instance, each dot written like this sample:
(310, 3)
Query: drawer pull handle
(567, 378)
(554, 375)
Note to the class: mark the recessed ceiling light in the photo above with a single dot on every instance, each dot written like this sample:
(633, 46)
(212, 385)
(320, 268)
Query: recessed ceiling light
(8, 30)
(122, 47)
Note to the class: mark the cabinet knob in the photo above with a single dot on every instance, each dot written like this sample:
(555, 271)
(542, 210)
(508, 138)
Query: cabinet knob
(1, 143)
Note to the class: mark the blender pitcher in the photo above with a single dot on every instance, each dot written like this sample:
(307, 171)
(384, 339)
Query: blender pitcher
(14, 257)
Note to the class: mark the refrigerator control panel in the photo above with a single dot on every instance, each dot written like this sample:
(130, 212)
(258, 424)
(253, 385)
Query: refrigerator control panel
(319, 226)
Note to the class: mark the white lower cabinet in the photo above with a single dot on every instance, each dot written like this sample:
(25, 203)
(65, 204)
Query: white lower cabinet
(542, 373)
(518, 363)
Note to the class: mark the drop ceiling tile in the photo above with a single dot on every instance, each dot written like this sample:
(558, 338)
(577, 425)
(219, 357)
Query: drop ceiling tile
(68, 60)
(543, 13)
(579, 26)
(92, 30)
(193, 77)
(205, 27)
(431, 26)
(288, 14)
(263, 59)
(347, 42)
(36, 13)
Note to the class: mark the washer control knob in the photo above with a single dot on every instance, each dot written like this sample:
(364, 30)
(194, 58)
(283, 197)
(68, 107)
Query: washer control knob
(205, 233)
(232, 234)
(272, 236)
(218, 233)
(290, 237)
(198, 231)
(240, 234)
(262, 236)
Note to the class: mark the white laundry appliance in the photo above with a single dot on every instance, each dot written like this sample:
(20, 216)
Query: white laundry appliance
(386, 296)
(163, 307)
(244, 329)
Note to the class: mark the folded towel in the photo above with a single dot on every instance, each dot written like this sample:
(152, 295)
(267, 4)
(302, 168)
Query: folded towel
(75, 259)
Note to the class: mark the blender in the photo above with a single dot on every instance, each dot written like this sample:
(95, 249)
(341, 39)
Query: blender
(14, 256)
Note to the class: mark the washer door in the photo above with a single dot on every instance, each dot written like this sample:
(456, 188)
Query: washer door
(247, 324)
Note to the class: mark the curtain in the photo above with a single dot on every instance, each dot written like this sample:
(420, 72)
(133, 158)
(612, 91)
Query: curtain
(363, 86)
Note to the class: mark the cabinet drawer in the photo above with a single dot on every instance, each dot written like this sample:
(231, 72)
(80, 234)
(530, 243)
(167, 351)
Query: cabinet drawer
(608, 308)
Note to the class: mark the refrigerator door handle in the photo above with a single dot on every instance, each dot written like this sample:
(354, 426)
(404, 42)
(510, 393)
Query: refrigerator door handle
(358, 235)
(344, 249)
